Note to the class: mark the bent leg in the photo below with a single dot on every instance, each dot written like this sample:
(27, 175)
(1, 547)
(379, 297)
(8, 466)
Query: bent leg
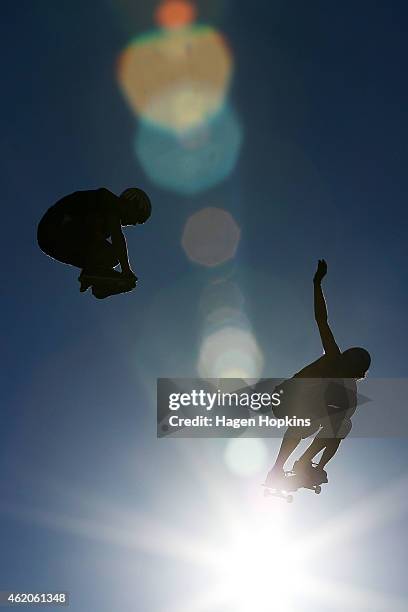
(100, 256)
(75, 242)
(315, 447)
(100, 261)
(330, 449)
(331, 445)
(291, 440)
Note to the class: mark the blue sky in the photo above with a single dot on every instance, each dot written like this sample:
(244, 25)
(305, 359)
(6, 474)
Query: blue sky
(321, 93)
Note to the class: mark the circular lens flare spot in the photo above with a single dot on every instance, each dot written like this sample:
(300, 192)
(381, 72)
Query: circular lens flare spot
(211, 237)
(230, 352)
(194, 162)
(176, 79)
(223, 295)
(175, 13)
(245, 456)
(183, 106)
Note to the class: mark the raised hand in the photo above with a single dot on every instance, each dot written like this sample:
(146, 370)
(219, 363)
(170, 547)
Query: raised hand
(321, 271)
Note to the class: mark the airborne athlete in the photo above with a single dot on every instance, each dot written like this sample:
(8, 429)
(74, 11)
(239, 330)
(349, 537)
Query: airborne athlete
(84, 229)
(326, 392)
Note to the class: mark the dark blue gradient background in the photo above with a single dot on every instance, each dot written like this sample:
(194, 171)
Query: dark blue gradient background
(321, 91)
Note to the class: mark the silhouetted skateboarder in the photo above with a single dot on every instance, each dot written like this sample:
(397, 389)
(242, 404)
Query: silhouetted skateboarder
(328, 403)
(77, 229)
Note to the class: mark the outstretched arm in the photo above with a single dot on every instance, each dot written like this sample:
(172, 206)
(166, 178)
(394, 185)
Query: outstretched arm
(329, 344)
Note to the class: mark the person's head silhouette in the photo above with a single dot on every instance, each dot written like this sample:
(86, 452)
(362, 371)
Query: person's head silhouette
(355, 362)
(135, 206)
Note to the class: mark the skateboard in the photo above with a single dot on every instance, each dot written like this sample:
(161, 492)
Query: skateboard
(104, 286)
(289, 484)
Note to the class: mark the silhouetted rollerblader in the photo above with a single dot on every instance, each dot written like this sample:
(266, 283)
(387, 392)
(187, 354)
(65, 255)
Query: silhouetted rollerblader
(328, 403)
(84, 229)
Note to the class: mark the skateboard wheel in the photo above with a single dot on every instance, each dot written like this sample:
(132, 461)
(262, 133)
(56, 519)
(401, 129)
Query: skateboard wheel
(318, 489)
(289, 499)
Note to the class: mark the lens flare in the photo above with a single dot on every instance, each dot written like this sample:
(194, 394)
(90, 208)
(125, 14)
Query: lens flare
(176, 79)
(226, 316)
(129, 14)
(175, 13)
(211, 237)
(195, 162)
(230, 352)
(214, 548)
(256, 576)
(245, 456)
(221, 294)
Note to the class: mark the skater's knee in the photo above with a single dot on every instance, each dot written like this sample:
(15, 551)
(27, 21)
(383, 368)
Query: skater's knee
(102, 254)
(304, 431)
(344, 429)
(336, 429)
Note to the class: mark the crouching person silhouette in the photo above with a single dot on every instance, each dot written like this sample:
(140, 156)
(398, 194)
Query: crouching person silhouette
(84, 229)
(326, 393)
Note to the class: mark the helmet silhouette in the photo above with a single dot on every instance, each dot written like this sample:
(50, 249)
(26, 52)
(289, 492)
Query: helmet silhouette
(139, 202)
(356, 360)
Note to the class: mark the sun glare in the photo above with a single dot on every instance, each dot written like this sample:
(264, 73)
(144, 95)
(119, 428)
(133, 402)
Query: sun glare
(241, 557)
(255, 574)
